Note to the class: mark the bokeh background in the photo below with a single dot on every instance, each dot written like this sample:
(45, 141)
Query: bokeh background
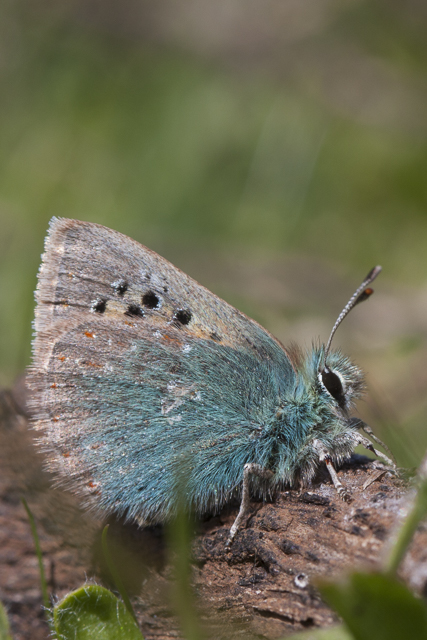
(274, 150)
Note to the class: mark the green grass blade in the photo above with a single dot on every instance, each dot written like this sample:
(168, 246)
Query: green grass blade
(4, 624)
(407, 529)
(115, 574)
(179, 539)
(43, 583)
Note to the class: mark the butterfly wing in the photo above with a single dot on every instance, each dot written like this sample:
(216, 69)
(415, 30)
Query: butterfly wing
(139, 370)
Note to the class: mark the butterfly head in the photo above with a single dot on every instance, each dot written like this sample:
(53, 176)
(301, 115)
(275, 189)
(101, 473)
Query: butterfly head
(340, 382)
(316, 411)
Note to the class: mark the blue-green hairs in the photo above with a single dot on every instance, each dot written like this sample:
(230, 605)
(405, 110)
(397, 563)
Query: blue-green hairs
(141, 376)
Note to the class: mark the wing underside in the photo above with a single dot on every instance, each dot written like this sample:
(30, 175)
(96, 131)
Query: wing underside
(140, 373)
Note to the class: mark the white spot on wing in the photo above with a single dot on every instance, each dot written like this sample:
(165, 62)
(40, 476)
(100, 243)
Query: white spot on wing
(174, 405)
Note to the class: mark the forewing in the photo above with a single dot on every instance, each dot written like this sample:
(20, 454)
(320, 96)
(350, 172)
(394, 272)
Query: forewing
(139, 371)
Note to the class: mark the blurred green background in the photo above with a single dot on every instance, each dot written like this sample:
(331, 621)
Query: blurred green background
(274, 150)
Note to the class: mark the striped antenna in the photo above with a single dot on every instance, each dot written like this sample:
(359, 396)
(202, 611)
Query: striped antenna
(362, 293)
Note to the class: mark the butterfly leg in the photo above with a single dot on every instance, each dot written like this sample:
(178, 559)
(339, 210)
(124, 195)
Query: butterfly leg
(359, 439)
(250, 469)
(359, 424)
(325, 457)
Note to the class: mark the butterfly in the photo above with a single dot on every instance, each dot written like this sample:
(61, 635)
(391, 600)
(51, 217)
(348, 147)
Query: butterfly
(140, 372)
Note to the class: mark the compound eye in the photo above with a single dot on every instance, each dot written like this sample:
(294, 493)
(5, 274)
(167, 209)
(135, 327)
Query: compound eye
(333, 384)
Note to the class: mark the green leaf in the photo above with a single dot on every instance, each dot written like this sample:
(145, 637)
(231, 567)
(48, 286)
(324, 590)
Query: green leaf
(94, 612)
(4, 625)
(331, 633)
(377, 606)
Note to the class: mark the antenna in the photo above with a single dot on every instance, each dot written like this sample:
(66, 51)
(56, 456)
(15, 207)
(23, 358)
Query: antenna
(362, 293)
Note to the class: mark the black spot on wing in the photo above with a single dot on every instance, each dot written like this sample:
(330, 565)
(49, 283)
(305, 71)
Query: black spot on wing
(134, 310)
(120, 287)
(99, 305)
(150, 300)
(182, 317)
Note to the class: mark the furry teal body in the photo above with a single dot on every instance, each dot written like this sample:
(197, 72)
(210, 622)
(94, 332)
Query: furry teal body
(140, 373)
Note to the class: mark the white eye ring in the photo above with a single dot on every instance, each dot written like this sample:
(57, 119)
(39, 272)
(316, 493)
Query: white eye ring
(340, 378)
